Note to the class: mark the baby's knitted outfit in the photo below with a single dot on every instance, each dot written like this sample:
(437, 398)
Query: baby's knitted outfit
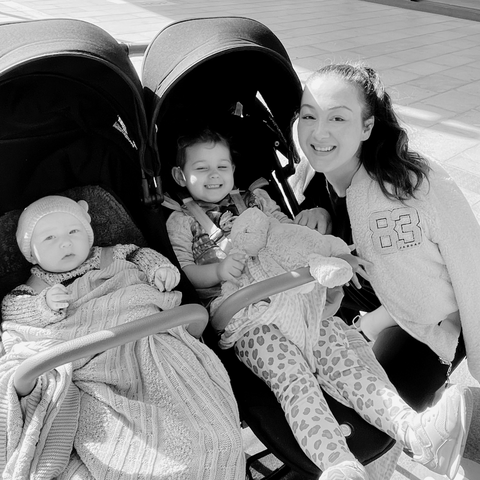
(33, 309)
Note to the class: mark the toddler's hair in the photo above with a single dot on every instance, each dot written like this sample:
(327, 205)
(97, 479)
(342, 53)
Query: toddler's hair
(385, 154)
(204, 135)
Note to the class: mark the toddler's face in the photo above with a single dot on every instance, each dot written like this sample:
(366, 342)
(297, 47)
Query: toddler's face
(208, 171)
(59, 242)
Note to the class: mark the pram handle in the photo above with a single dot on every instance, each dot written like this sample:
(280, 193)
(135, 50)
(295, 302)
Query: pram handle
(134, 49)
(256, 292)
(29, 370)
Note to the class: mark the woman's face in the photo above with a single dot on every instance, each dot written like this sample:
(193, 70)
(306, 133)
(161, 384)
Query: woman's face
(331, 128)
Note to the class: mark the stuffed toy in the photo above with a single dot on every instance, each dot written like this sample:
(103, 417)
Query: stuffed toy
(273, 248)
(282, 247)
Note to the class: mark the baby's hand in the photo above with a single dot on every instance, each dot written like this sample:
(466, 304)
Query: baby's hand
(57, 297)
(166, 278)
(316, 219)
(232, 267)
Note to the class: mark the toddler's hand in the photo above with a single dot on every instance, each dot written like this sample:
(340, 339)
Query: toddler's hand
(57, 297)
(166, 278)
(231, 268)
(316, 219)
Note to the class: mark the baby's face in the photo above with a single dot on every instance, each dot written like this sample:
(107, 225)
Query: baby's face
(208, 171)
(60, 242)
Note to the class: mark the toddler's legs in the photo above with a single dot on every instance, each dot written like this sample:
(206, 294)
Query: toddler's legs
(436, 436)
(281, 365)
(339, 368)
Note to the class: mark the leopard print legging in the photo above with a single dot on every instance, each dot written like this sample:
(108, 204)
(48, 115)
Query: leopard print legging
(279, 363)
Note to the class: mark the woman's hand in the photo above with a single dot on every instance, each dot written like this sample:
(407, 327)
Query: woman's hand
(372, 323)
(316, 218)
(359, 266)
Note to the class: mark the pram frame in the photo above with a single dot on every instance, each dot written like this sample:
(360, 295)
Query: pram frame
(151, 173)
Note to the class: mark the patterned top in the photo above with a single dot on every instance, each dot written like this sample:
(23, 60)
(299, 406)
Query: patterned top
(191, 242)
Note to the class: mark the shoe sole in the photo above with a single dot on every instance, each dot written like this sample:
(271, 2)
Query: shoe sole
(467, 404)
(451, 466)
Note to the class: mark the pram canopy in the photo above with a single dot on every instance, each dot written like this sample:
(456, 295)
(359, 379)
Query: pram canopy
(203, 70)
(71, 115)
(71, 112)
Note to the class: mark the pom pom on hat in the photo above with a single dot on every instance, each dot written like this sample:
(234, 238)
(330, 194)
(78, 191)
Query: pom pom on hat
(44, 206)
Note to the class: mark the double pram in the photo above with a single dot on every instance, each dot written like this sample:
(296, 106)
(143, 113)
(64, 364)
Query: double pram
(75, 116)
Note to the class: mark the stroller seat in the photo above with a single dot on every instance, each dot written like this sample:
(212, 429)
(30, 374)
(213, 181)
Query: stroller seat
(234, 75)
(14, 269)
(73, 122)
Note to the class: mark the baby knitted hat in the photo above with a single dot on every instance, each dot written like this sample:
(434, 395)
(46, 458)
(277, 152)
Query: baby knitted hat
(44, 206)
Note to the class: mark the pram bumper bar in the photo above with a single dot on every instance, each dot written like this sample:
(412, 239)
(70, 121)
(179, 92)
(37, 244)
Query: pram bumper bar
(30, 369)
(256, 292)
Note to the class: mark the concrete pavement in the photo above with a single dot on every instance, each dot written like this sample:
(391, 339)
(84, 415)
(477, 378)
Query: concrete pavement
(430, 63)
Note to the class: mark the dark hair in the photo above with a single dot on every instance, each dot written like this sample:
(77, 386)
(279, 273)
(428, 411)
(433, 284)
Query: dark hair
(385, 154)
(204, 135)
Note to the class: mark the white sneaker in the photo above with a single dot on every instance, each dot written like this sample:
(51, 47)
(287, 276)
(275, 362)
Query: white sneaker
(348, 470)
(440, 432)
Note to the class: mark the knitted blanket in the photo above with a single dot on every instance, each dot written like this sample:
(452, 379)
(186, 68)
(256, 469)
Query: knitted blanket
(159, 408)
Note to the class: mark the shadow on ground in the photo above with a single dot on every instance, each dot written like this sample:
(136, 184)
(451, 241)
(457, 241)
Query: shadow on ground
(465, 9)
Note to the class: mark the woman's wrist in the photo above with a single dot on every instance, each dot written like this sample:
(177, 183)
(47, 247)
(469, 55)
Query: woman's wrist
(357, 325)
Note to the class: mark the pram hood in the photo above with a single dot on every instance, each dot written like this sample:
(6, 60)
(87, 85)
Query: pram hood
(183, 46)
(200, 67)
(197, 69)
(71, 111)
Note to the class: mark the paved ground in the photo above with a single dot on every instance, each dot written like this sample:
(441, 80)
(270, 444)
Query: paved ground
(466, 9)
(430, 62)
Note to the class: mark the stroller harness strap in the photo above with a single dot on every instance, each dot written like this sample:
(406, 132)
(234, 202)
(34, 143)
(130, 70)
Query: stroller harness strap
(215, 233)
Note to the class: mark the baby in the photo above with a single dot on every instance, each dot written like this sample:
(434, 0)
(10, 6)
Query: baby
(147, 408)
(55, 234)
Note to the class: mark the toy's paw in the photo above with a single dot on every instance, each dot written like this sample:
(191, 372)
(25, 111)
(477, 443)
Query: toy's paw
(330, 271)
